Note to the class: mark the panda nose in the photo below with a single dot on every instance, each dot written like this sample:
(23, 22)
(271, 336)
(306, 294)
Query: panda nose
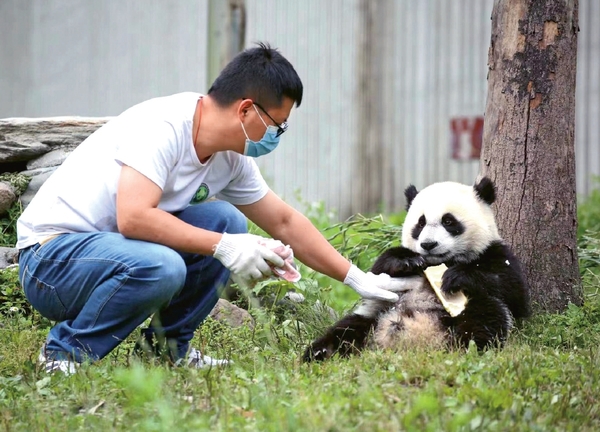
(429, 245)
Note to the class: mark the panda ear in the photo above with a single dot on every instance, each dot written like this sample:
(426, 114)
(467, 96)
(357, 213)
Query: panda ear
(485, 190)
(410, 193)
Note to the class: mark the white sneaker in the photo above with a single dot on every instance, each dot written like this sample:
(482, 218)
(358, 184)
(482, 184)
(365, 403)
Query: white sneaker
(67, 367)
(196, 359)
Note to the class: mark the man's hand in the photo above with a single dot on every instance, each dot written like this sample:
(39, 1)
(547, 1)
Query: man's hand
(245, 257)
(376, 287)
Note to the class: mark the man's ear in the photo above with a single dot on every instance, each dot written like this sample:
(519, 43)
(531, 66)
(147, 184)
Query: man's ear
(244, 107)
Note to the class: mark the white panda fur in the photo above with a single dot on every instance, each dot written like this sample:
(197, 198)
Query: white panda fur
(457, 199)
(448, 223)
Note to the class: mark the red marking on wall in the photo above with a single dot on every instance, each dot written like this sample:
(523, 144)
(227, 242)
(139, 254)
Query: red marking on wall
(466, 137)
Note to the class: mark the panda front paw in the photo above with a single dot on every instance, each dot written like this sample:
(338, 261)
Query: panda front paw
(414, 264)
(399, 262)
(449, 290)
(315, 352)
(454, 282)
(404, 267)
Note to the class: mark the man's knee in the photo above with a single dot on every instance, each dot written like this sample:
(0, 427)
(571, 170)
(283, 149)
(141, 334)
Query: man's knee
(163, 268)
(173, 268)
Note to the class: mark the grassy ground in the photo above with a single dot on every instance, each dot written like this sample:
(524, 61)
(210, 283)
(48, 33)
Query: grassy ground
(547, 377)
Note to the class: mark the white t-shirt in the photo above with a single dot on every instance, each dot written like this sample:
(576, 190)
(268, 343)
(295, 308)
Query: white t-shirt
(155, 138)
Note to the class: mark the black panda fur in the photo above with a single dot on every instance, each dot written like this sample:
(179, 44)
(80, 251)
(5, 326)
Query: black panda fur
(447, 223)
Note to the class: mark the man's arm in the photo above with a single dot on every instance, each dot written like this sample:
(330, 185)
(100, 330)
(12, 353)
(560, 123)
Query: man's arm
(285, 223)
(139, 217)
(288, 225)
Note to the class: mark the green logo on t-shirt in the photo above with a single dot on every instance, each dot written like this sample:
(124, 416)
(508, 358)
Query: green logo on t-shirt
(201, 194)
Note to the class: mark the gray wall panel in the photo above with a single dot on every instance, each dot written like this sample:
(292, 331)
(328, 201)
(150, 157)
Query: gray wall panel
(315, 154)
(96, 58)
(15, 56)
(587, 130)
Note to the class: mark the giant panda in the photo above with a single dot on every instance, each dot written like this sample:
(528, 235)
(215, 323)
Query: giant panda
(452, 224)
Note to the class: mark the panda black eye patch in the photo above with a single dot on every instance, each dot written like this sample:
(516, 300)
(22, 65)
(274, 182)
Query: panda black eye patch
(416, 231)
(452, 225)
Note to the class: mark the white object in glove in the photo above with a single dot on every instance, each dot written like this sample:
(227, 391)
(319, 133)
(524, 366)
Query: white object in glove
(245, 257)
(288, 271)
(378, 287)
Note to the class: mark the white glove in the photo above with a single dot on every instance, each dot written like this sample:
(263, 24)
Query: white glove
(406, 283)
(245, 257)
(378, 287)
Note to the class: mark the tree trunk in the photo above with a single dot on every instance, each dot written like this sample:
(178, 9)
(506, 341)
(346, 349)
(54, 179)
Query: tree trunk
(528, 147)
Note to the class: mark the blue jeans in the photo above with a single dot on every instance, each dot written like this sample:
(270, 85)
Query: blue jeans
(100, 286)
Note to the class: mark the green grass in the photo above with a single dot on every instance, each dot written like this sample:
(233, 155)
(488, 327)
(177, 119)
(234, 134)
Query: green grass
(8, 221)
(547, 378)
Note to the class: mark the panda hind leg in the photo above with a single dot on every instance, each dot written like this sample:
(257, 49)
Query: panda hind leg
(488, 325)
(346, 337)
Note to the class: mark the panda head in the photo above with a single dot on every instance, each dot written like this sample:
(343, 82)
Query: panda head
(450, 221)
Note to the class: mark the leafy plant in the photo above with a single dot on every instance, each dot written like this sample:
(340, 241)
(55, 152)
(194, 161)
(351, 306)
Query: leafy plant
(12, 298)
(361, 239)
(588, 212)
(8, 221)
(18, 181)
(8, 225)
(589, 257)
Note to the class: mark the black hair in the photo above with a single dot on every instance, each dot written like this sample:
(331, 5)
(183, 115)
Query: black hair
(260, 73)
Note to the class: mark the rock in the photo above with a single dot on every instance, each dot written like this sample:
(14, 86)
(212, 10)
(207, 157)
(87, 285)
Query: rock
(8, 257)
(38, 177)
(233, 315)
(321, 308)
(50, 159)
(23, 139)
(22, 150)
(38, 171)
(7, 197)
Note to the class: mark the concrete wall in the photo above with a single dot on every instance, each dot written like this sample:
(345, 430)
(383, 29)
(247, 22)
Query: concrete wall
(428, 57)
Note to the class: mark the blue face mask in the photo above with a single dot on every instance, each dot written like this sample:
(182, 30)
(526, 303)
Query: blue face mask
(266, 145)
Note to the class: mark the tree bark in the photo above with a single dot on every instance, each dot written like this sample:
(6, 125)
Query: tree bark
(528, 147)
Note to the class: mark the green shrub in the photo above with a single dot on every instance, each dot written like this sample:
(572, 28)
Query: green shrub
(588, 235)
(8, 225)
(13, 303)
(8, 221)
(588, 212)
(18, 181)
(12, 298)
(589, 257)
